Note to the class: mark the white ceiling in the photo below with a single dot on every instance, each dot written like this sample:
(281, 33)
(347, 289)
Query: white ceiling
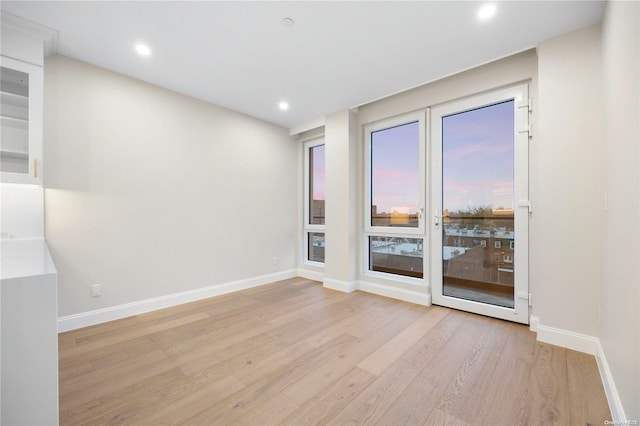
(337, 55)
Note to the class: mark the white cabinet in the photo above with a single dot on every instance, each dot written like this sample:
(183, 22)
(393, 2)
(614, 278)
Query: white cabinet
(29, 334)
(21, 95)
(28, 292)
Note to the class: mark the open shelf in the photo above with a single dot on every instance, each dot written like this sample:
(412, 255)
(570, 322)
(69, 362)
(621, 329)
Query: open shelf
(14, 154)
(15, 122)
(8, 98)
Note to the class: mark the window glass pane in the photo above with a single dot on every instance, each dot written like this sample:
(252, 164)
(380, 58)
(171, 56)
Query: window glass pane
(315, 242)
(396, 255)
(478, 201)
(395, 167)
(316, 185)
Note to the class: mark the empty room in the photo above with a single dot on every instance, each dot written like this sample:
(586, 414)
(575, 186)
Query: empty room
(301, 213)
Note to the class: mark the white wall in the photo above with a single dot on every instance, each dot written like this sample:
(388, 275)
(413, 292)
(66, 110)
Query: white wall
(620, 292)
(151, 193)
(341, 198)
(570, 205)
(21, 210)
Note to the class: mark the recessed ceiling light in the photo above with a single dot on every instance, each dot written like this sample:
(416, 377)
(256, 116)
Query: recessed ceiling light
(283, 106)
(288, 22)
(486, 11)
(143, 49)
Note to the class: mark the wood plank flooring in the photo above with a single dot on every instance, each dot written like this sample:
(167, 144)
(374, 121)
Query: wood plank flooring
(294, 353)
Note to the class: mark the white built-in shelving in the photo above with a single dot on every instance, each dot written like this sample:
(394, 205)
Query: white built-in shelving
(28, 278)
(20, 122)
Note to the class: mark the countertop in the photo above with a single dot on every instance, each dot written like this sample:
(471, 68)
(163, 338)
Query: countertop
(25, 257)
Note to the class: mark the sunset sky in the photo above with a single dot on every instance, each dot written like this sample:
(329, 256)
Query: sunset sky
(395, 163)
(318, 172)
(477, 162)
(477, 158)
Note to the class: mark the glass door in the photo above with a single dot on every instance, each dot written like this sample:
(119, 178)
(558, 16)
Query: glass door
(480, 204)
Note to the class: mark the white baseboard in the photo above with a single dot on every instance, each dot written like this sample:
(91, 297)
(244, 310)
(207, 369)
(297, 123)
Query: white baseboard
(344, 286)
(396, 293)
(567, 339)
(98, 316)
(379, 289)
(610, 390)
(592, 346)
(311, 275)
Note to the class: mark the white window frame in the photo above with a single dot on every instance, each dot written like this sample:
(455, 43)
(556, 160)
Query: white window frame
(309, 228)
(421, 118)
(520, 94)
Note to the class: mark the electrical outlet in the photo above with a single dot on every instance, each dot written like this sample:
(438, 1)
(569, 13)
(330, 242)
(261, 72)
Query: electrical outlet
(275, 260)
(96, 290)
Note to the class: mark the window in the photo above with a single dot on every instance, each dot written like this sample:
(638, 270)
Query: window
(315, 248)
(395, 176)
(316, 185)
(396, 255)
(314, 216)
(395, 196)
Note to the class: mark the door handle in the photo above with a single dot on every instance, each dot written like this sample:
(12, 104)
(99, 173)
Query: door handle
(436, 218)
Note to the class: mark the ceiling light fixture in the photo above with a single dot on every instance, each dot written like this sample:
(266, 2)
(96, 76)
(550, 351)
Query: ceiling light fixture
(283, 106)
(486, 11)
(143, 49)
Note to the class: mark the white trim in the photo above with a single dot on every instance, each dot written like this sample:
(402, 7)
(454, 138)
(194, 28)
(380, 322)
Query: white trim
(307, 227)
(311, 275)
(534, 322)
(567, 339)
(305, 127)
(410, 296)
(610, 390)
(48, 36)
(85, 319)
(395, 278)
(308, 146)
(590, 345)
(343, 286)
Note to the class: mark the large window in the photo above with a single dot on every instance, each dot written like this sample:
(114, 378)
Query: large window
(314, 201)
(395, 175)
(395, 183)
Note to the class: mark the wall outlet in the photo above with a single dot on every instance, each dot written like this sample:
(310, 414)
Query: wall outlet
(275, 260)
(96, 290)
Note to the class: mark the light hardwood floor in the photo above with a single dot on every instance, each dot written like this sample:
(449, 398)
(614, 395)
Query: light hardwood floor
(295, 353)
